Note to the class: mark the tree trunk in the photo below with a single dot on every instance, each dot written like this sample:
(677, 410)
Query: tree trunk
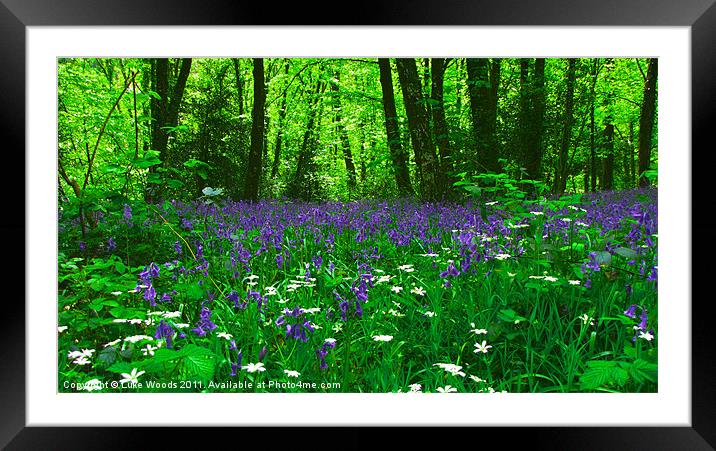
(397, 153)
(607, 180)
(419, 126)
(608, 177)
(560, 177)
(253, 172)
(535, 137)
(239, 85)
(165, 111)
(440, 127)
(343, 135)
(592, 129)
(632, 165)
(483, 107)
(160, 85)
(304, 186)
(646, 120)
(525, 119)
(279, 127)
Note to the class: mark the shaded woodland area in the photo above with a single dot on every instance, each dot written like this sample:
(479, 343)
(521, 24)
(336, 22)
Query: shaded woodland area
(344, 129)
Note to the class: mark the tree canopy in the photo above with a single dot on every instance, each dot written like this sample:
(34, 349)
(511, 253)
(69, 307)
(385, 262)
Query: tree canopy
(350, 128)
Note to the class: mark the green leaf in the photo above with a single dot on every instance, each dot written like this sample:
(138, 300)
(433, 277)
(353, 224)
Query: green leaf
(147, 161)
(603, 258)
(642, 371)
(123, 367)
(626, 253)
(198, 362)
(108, 355)
(175, 184)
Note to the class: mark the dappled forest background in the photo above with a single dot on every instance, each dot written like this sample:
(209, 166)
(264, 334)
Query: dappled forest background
(344, 129)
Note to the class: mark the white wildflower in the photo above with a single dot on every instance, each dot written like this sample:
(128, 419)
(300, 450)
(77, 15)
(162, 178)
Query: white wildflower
(253, 367)
(646, 336)
(482, 347)
(131, 378)
(420, 291)
(447, 389)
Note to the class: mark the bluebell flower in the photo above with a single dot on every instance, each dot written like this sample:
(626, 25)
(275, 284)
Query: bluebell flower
(150, 295)
(127, 215)
(262, 353)
(165, 331)
(631, 311)
(204, 324)
(644, 318)
(322, 352)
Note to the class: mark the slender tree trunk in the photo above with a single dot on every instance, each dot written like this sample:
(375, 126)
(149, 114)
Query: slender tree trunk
(343, 135)
(646, 120)
(535, 138)
(458, 90)
(525, 121)
(397, 153)
(483, 107)
(253, 172)
(592, 129)
(632, 165)
(419, 126)
(303, 186)
(608, 178)
(279, 127)
(560, 178)
(440, 127)
(239, 85)
(160, 79)
(607, 181)
(427, 86)
(495, 72)
(165, 111)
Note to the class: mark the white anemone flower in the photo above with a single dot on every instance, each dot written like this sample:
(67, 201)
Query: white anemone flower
(131, 378)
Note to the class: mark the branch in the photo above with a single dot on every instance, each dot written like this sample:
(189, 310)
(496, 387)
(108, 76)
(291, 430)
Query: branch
(101, 132)
(297, 74)
(643, 75)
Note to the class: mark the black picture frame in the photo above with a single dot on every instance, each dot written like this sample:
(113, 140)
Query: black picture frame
(16, 15)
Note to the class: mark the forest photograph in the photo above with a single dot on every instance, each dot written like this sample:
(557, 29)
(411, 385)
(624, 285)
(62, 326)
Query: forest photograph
(357, 225)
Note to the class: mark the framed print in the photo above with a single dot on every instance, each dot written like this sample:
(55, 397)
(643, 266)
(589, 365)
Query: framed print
(439, 216)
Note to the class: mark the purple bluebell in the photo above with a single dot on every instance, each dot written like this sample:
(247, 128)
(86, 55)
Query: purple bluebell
(322, 352)
(127, 214)
(644, 318)
(165, 331)
(150, 295)
(631, 311)
(204, 324)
